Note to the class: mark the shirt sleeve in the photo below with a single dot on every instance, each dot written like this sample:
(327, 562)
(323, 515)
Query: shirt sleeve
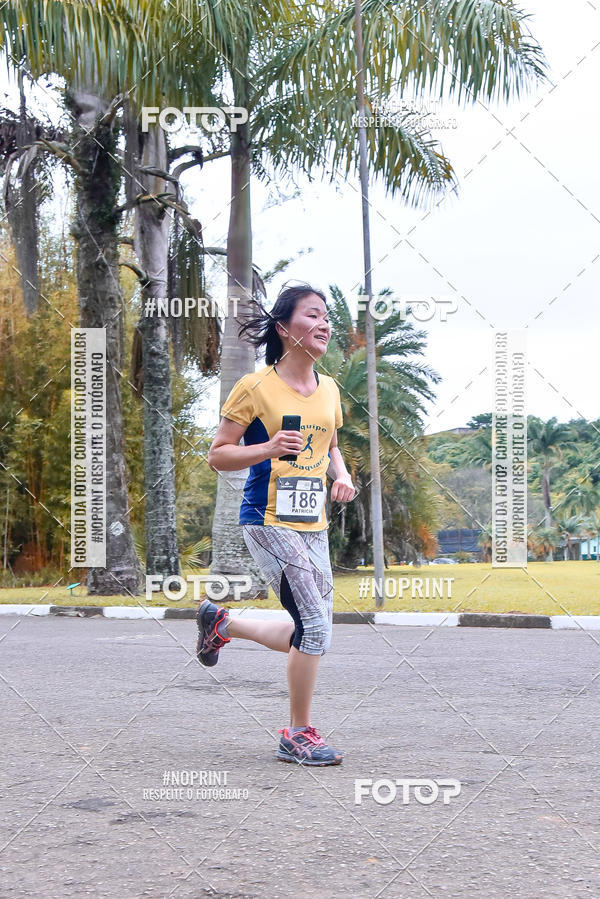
(339, 418)
(239, 405)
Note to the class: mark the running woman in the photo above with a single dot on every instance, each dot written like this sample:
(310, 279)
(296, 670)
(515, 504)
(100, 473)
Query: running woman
(283, 508)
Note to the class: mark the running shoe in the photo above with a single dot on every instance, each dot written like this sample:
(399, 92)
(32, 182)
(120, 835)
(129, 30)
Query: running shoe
(306, 747)
(212, 635)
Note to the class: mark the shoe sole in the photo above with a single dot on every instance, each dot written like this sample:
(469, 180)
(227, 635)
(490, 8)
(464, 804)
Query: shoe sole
(202, 662)
(199, 644)
(285, 757)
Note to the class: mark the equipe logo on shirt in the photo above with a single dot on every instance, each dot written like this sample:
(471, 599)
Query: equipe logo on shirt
(308, 448)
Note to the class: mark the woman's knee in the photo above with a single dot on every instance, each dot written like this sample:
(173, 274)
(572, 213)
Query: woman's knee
(316, 636)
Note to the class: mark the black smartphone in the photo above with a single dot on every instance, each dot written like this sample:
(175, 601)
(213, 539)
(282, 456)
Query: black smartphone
(290, 423)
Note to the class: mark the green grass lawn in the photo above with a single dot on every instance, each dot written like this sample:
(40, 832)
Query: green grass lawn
(550, 588)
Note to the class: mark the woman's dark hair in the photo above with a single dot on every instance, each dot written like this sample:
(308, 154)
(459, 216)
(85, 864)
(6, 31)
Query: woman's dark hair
(260, 329)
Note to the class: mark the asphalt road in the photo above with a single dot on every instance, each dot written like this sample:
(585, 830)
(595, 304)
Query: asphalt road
(94, 712)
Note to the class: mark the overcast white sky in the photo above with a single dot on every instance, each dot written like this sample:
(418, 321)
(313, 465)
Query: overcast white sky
(517, 247)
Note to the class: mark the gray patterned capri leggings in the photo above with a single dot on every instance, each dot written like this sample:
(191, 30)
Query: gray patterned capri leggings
(296, 565)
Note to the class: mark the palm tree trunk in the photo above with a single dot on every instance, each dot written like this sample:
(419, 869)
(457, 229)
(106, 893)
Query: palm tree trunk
(22, 207)
(101, 306)
(230, 554)
(152, 249)
(546, 496)
(547, 506)
(379, 563)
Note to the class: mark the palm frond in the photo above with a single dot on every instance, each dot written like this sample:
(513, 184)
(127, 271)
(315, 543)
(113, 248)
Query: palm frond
(189, 555)
(447, 46)
(297, 134)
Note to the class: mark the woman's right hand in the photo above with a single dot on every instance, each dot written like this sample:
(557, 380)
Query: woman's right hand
(284, 443)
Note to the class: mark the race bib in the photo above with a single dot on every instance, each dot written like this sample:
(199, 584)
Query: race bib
(299, 499)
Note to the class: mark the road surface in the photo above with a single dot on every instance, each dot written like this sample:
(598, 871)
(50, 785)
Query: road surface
(99, 716)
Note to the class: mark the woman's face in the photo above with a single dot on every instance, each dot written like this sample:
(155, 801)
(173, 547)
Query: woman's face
(308, 330)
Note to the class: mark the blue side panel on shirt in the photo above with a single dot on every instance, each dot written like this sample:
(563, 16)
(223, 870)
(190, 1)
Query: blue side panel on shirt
(256, 489)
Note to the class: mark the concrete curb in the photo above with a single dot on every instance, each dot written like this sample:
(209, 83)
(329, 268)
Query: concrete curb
(402, 619)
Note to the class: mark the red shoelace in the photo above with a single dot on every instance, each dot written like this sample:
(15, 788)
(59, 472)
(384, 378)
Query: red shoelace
(311, 733)
(314, 737)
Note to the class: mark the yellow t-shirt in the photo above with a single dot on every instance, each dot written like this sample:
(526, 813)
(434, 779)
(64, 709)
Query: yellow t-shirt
(285, 493)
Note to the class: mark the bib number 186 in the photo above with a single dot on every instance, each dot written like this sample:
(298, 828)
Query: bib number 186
(299, 499)
(302, 499)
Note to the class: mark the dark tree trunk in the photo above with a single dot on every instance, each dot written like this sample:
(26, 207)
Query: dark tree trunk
(547, 506)
(546, 497)
(152, 250)
(230, 554)
(101, 306)
(22, 204)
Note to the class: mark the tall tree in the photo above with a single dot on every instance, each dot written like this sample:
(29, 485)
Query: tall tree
(94, 155)
(570, 528)
(302, 108)
(405, 384)
(116, 43)
(547, 440)
(22, 195)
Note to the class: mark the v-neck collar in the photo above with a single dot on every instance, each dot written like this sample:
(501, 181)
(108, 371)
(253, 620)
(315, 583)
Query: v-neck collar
(297, 393)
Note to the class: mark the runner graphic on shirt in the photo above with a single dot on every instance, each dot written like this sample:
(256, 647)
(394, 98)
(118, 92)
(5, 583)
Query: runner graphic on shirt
(307, 446)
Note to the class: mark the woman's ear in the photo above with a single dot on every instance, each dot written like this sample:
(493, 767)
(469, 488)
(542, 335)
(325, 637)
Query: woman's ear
(281, 329)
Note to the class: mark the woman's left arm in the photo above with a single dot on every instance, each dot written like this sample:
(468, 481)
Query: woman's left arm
(342, 489)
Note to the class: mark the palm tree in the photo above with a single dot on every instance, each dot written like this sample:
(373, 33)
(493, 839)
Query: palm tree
(405, 384)
(285, 131)
(503, 60)
(583, 498)
(97, 183)
(592, 528)
(121, 44)
(22, 195)
(569, 527)
(547, 440)
(541, 542)
(477, 450)
(301, 115)
(92, 154)
(240, 48)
